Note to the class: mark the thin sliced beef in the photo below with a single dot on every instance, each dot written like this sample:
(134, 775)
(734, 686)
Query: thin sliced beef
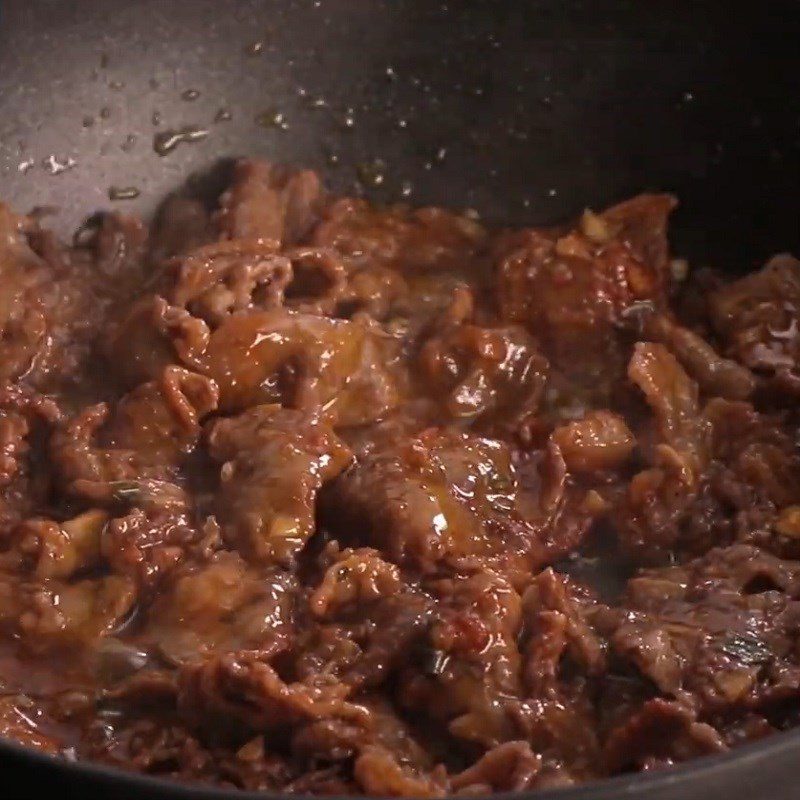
(275, 462)
(267, 201)
(757, 319)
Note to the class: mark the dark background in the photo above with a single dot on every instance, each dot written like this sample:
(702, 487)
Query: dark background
(527, 111)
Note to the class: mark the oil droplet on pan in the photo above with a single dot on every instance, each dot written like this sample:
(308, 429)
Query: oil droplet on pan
(273, 118)
(372, 173)
(190, 95)
(123, 193)
(331, 157)
(56, 167)
(223, 115)
(164, 143)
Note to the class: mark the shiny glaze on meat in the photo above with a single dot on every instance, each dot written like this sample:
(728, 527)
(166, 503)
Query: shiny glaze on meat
(306, 495)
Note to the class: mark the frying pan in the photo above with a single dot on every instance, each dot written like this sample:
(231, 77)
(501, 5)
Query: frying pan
(526, 111)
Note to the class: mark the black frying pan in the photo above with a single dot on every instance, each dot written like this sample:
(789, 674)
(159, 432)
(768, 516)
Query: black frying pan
(527, 110)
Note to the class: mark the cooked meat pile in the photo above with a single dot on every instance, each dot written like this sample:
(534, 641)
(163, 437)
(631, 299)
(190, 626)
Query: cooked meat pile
(307, 495)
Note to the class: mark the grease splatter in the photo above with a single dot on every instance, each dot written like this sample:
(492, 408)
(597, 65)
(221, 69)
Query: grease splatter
(164, 143)
(57, 167)
(123, 193)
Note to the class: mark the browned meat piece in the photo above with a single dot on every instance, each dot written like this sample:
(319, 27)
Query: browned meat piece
(356, 577)
(26, 419)
(307, 362)
(468, 674)
(20, 721)
(364, 644)
(562, 655)
(55, 301)
(641, 223)
(598, 442)
(151, 430)
(22, 320)
(757, 318)
(571, 288)
(182, 225)
(397, 237)
(118, 246)
(331, 781)
(672, 396)
(231, 694)
(380, 773)
(161, 419)
(60, 549)
(157, 749)
(276, 460)
(509, 767)
(337, 739)
(557, 617)
(270, 202)
(14, 430)
(724, 457)
(226, 277)
(378, 291)
(220, 606)
(717, 376)
(223, 278)
(152, 336)
(661, 734)
(485, 372)
(381, 744)
(156, 534)
(443, 497)
(716, 634)
(659, 496)
(166, 748)
(469, 677)
(54, 613)
(757, 473)
(132, 460)
(320, 283)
